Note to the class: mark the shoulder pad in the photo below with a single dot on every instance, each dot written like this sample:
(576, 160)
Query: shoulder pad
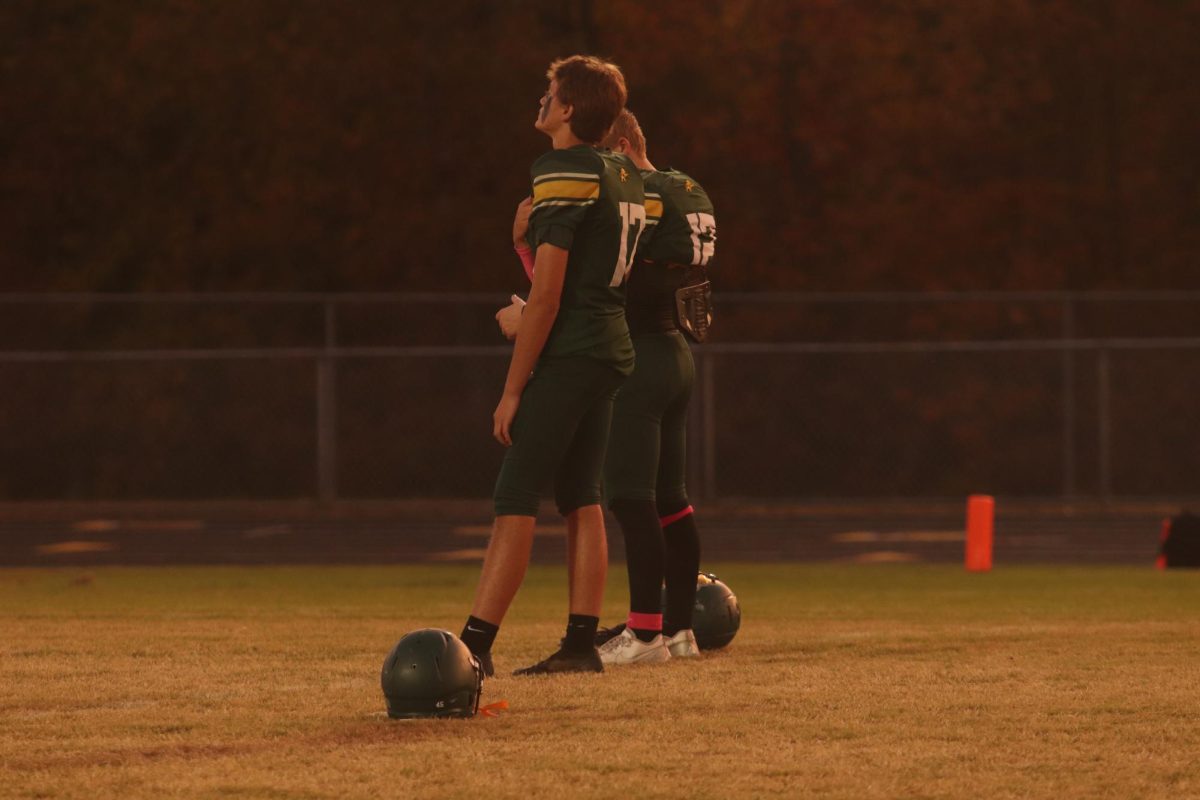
(566, 178)
(654, 180)
(574, 160)
(683, 180)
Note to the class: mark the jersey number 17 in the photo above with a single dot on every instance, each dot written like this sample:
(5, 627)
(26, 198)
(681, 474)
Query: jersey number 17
(633, 221)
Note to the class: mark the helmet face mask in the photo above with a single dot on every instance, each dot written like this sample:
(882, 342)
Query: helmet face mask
(717, 614)
(431, 673)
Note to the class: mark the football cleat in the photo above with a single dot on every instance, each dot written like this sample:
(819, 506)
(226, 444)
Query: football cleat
(628, 649)
(565, 661)
(485, 661)
(683, 644)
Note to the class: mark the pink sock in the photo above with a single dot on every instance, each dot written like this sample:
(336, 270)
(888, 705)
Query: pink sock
(678, 515)
(645, 622)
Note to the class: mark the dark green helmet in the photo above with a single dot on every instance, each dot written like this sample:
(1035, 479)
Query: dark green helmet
(431, 673)
(717, 614)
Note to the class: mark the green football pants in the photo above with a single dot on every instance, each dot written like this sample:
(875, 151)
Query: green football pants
(559, 436)
(647, 449)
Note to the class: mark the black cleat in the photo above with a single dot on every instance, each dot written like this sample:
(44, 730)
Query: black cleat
(604, 634)
(564, 661)
(485, 661)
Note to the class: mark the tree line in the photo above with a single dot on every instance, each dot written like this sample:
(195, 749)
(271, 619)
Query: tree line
(375, 145)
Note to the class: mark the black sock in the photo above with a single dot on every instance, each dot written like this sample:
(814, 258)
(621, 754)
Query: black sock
(478, 635)
(643, 559)
(581, 633)
(644, 635)
(682, 565)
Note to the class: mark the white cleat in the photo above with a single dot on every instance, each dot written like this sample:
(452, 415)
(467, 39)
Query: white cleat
(628, 649)
(683, 644)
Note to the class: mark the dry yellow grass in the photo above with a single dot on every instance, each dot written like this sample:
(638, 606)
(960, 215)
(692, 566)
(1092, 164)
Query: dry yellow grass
(847, 681)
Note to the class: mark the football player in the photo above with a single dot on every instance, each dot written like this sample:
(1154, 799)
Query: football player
(644, 476)
(572, 353)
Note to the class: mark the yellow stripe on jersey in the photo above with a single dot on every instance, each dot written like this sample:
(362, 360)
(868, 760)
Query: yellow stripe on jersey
(565, 189)
(654, 209)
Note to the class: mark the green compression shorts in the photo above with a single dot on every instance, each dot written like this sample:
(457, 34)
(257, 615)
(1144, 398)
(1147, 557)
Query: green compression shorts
(647, 449)
(559, 436)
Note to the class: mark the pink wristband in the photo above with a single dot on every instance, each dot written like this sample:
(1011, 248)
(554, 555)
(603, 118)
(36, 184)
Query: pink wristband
(526, 254)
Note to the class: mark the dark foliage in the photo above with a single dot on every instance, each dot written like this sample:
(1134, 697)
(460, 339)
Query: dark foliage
(305, 145)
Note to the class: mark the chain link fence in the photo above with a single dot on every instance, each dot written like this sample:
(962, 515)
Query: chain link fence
(799, 396)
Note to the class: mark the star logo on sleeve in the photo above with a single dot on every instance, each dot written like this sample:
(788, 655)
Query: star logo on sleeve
(624, 175)
(688, 185)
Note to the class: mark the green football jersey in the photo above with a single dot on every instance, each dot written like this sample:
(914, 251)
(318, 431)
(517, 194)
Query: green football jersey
(591, 203)
(682, 229)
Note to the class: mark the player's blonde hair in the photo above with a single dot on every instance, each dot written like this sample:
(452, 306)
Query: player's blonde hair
(595, 87)
(627, 127)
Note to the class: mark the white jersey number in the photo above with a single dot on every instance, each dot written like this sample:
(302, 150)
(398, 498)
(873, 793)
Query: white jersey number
(633, 222)
(704, 238)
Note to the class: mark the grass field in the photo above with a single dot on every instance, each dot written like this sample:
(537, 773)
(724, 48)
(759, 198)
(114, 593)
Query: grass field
(845, 681)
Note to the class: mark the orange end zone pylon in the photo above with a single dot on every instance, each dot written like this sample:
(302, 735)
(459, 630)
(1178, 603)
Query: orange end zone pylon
(1164, 533)
(981, 509)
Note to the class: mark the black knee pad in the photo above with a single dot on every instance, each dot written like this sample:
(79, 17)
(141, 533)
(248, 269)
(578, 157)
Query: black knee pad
(635, 515)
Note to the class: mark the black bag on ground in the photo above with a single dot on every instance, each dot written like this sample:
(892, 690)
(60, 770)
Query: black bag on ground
(1181, 542)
